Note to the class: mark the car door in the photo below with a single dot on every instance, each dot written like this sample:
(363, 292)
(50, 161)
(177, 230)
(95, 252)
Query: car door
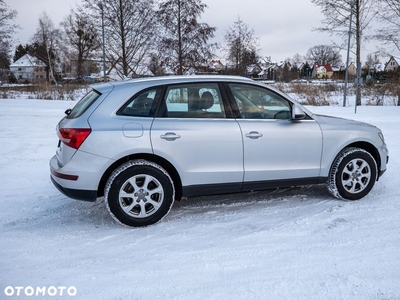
(194, 134)
(276, 148)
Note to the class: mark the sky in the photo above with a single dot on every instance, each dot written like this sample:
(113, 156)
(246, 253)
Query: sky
(283, 27)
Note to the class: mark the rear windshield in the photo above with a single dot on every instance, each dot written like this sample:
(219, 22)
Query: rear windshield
(83, 104)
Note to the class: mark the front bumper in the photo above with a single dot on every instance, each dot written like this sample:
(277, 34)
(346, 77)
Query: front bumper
(384, 154)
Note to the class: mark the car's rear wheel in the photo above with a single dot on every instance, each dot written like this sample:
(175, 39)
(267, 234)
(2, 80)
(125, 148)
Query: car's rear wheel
(352, 175)
(139, 193)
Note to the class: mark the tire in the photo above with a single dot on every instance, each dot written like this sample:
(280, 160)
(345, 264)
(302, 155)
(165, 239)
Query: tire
(352, 175)
(139, 193)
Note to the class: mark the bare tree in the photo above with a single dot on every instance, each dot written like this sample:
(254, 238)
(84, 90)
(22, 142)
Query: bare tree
(129, 33)
(156, 63)
(373, 61)
(185, 40)
(7, 29)
(82, 36)
(323, 54)
(241, 46)
(337, 18)
(7, 17)
(297, 58)
(388, 12)
(46, 41)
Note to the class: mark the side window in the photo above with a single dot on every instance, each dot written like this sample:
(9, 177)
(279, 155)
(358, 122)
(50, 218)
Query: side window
(194, 100)
(256, 102)
(142, 104)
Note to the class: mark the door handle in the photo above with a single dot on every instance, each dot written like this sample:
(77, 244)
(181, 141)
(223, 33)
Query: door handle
(254, 135)
(170, 136)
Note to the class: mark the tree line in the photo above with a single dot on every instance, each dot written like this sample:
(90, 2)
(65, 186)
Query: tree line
(139, 35)
(167, 36)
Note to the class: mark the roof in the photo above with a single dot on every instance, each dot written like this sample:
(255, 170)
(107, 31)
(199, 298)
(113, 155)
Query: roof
(28, 61)
(374, 66)
(327, 67)
(161, 80)
(299, 65)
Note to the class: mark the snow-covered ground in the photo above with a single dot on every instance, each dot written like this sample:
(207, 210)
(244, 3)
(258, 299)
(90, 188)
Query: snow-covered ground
(297, 243)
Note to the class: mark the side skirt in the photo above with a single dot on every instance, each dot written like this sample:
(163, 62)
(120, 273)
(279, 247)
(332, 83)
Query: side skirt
(230, 188)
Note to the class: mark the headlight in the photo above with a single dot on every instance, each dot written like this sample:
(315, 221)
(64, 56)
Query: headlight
(381, 136)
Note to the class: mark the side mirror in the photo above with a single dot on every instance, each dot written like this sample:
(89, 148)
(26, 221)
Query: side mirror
(297, 113)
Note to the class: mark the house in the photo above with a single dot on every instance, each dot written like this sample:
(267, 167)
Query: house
(216, 65)
(253, 70)
(368, 69)
(267, 66)
(352, 71)
(29, 69)
(298, 66)
(270, 70)
(267, 61)
(88, 66)
(322, 71)
(393, 64)
(267, 73)
(304, 69)
(281, 70)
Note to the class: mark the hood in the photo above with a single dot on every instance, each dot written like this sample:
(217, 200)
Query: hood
(340, 121)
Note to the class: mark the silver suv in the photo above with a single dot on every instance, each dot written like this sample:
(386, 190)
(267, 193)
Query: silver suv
(144, 143)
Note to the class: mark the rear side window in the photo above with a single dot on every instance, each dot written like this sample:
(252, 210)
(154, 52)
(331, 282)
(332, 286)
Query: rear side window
(142, 104)
(83, 104)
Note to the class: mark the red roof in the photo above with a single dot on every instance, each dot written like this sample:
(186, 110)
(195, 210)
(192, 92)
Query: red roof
(327, 67)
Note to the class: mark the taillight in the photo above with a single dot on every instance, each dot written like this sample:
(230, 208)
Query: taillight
(73, 137)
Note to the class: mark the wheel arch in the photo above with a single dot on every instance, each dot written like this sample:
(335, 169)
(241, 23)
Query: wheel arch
(370, 149)
(360, 175)
(150, 157)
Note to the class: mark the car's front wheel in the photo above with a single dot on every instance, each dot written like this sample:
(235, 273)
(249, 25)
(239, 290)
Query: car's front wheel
(139, 193)
(353, 174)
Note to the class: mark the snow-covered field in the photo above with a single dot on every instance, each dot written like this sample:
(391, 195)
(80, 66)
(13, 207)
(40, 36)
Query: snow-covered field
(297, 243)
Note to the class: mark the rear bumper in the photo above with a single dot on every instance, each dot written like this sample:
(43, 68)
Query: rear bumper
(76, 194)
(78, 179)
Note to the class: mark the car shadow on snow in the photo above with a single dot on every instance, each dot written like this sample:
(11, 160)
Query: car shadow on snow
(64, 212)
(273, 198)
(96, 214)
